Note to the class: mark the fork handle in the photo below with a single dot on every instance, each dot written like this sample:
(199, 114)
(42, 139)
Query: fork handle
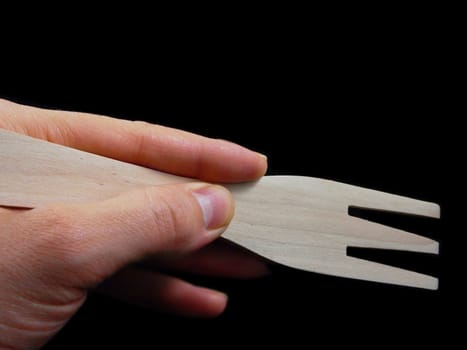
(36, 172)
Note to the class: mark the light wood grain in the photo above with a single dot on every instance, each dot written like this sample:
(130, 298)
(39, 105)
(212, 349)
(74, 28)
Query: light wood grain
(301, 222)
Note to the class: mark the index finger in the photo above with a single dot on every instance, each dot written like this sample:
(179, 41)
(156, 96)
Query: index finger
(150, 145)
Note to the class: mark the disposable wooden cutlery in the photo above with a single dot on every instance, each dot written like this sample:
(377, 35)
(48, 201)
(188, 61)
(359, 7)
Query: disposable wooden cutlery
(297, 221)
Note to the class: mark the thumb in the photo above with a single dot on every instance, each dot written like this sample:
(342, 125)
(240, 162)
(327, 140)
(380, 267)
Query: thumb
(95, 240)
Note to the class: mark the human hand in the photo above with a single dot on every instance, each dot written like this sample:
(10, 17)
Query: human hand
(52, 255)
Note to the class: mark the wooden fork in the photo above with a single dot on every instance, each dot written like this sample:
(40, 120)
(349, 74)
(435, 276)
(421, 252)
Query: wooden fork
(297, 221)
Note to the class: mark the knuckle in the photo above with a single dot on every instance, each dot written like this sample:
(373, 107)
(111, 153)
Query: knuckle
(141, 123)
(5, 104)
(171, 217)
(140, 137)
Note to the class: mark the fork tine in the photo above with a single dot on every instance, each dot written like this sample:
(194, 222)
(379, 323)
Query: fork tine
(372, 271)
(337, 196)
(372, 199)
(323, 228)
(367, 234)
(337, 263)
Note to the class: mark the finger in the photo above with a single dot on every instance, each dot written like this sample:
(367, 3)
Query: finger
(165, 293)
(93, 241)
(154, 146)
(219, 259)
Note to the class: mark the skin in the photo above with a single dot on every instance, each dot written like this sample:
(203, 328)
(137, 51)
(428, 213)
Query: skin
(50, 257)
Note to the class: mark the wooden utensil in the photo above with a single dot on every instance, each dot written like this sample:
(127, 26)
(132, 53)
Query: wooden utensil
(301, 222)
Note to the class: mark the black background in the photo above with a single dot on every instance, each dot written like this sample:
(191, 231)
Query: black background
(364, 103)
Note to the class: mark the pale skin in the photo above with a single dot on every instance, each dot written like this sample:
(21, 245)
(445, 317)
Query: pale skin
(52, 256)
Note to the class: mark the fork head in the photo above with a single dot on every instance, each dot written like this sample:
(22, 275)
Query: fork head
(303, 222)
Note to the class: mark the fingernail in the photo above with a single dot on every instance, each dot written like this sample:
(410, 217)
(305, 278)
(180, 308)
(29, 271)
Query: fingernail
(218, 297)
(217, 205)
(263, 156)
